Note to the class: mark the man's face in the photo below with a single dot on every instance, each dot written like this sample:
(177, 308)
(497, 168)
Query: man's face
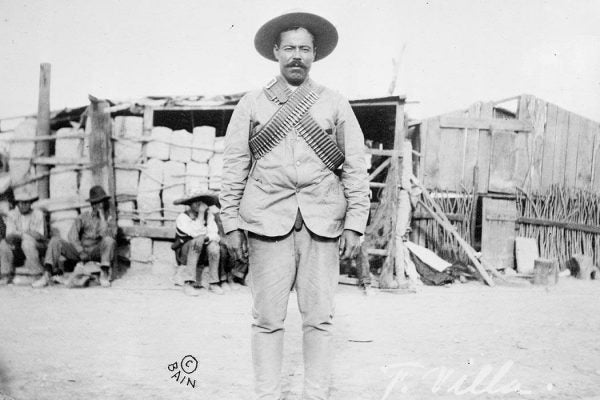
(198, 207)
(99, 206)
(24, 207)
(295, 54)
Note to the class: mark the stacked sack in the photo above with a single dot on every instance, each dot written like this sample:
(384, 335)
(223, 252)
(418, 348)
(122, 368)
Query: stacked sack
(178, 162)
(65, 200)
(69, 187)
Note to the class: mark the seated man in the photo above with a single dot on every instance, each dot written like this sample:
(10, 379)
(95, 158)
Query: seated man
(91, 238)
(25, 239)
(197, 236)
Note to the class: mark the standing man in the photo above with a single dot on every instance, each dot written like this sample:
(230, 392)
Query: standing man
(91, 238)
(295, 180)
(25, 239)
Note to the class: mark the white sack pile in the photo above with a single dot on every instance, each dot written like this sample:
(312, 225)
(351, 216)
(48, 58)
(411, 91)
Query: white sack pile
(181, 146)
(203, 143)
(128, 132)
(159, 145)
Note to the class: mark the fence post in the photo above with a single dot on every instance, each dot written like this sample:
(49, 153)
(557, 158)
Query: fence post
(42, 147)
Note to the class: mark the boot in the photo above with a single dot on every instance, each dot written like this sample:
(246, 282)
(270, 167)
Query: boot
(190, 290)
(215, 288)
(42, 282)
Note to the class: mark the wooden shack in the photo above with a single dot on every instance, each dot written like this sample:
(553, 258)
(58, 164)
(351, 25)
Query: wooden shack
(499, 158)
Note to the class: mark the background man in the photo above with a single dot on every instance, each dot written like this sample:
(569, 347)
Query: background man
(25, 239)
(197, 235)
(91, 238)
(294, 178)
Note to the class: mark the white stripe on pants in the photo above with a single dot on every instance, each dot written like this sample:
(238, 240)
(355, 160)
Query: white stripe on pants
(311, 263)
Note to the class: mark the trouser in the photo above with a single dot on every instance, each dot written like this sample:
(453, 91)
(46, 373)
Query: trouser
(18, 250)
(311, 264)
(228, 265)
(189, 256)
(103, 251)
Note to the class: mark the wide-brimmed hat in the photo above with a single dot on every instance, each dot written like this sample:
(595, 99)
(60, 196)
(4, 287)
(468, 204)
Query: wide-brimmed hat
(97, 194)
(207, 197)
(25, 193)
(325, 34)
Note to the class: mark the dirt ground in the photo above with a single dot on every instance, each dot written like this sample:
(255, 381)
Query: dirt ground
(122, 343)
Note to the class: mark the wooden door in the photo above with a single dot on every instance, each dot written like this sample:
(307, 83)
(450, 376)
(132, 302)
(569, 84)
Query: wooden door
(498, 232)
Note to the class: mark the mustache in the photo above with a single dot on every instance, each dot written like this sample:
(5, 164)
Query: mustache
(298, 64)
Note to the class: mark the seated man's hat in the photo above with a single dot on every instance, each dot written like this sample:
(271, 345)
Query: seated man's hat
(26, 193)
(209, 198)
(97, 194)
(325, 34)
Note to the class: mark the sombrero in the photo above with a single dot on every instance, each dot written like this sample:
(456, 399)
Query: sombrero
(25, 193)
(325, 34)
(209, 198)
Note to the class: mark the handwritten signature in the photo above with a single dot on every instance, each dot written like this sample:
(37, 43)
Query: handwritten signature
(486, 380)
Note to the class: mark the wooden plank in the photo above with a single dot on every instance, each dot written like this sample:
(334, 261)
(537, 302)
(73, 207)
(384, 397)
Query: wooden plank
(535, 143)
(559, 224)
(498, 232)
(382, 152)
(596, 161)
(101, 150)
(441, 219)
(399, 128)
(110, 171)
(60, 161)
(155, 232)
(470, 149)
(423, 147)
(148, 125)
(585, 155)
(42, 148)
(576, 126)
(432, 161)
(484, 150)
(560, 146)
(485, 123)
(41, 138)
(377, 252)
(418, 215)
(473, 230)
(503, 162)
(379, 169)
(450, 160)
(523, 167)
(549, 147)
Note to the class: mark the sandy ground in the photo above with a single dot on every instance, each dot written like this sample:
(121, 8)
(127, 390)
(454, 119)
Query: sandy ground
(118, 343)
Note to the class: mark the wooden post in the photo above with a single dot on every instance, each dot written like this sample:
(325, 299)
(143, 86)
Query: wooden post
(473, 222)
(399, 135)
(42, 148)
(148, 124)
(101, 159)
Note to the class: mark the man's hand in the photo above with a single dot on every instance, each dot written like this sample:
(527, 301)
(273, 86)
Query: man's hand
(349, 244)
(83, 256)
(237, 245)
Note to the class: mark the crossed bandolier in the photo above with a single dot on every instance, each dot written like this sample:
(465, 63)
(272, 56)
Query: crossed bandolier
(293, 113)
